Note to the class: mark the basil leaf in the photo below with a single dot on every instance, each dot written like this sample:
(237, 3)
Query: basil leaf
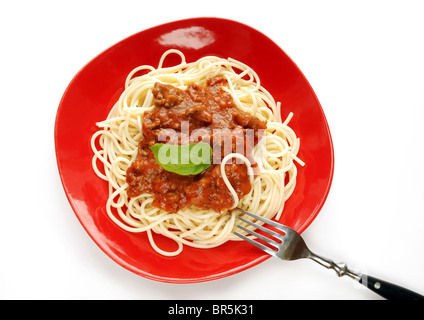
(183, 159)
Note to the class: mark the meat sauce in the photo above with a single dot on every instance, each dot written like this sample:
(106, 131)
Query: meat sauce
(200, 109)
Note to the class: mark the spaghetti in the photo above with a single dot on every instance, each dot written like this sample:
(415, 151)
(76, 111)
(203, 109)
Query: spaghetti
(271, 174)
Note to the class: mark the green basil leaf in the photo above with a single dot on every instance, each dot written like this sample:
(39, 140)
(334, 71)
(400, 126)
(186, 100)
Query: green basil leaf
(183, 159)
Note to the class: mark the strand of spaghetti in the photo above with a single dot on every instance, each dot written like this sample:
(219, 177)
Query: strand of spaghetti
(168, 52)
(134, 71)
(163, 252)
(224, 175)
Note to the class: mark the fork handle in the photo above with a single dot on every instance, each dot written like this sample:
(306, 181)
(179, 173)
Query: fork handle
(388, 290)
(383, 288)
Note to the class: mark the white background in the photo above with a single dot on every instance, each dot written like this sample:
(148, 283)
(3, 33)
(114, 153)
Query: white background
(365, 61)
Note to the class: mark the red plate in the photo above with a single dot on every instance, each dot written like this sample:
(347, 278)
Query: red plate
(94, 90)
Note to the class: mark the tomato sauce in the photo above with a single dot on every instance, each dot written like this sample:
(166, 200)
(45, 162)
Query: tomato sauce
(199, 111)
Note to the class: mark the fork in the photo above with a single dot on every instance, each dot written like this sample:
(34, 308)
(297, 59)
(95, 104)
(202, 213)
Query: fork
(291, 246)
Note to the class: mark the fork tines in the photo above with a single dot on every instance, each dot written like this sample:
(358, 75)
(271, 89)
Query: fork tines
(272, 242)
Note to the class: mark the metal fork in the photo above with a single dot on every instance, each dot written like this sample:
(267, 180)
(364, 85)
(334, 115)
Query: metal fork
(291, 246)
